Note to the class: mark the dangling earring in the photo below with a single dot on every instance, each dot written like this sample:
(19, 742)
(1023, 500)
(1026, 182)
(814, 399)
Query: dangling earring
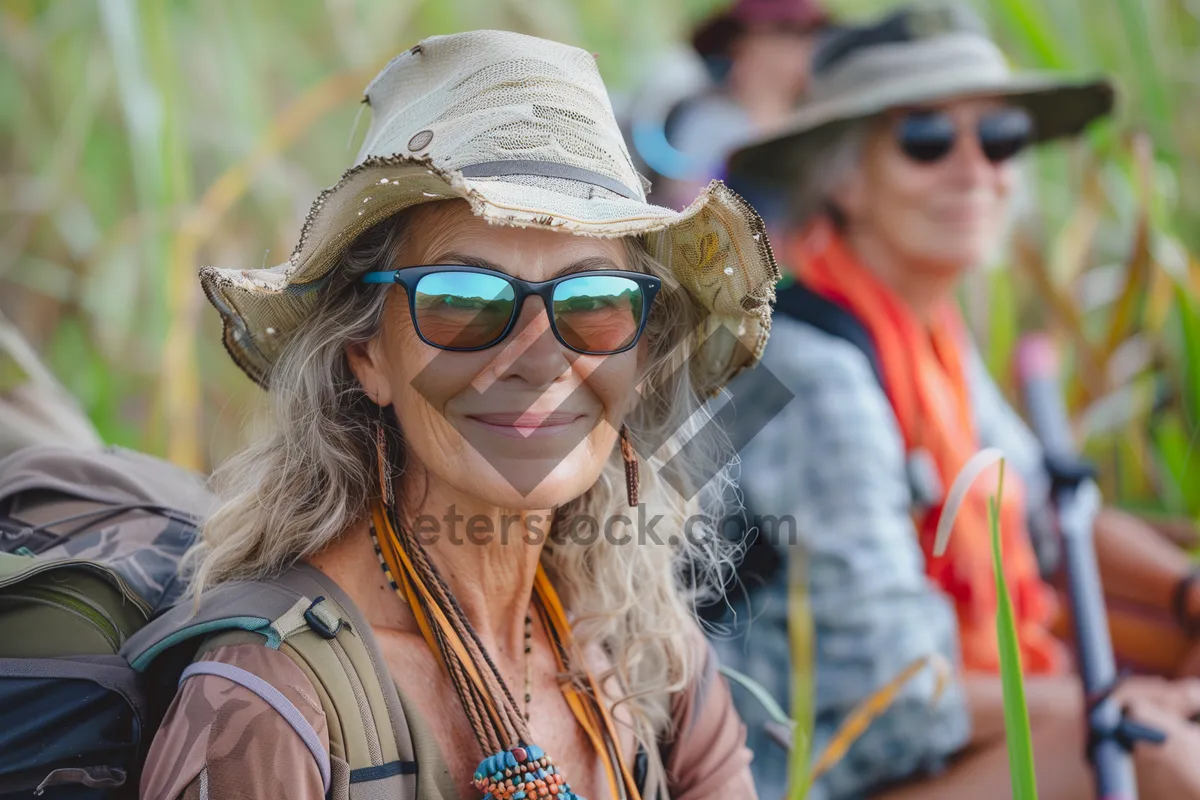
(631, 467)
(382, 463)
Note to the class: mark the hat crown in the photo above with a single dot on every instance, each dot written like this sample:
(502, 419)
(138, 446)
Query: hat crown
(905, 46)
(909, 25)
(484, 97)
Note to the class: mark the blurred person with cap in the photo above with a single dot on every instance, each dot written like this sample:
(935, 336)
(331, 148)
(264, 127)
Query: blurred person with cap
(899, 171)
(746, 70)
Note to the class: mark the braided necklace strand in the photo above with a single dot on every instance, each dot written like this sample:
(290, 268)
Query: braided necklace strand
(487, 728)
(517, 770)
(446, 596)
(528, 663)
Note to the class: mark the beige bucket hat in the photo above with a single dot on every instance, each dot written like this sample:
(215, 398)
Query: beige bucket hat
(913, 56)
(523, 130)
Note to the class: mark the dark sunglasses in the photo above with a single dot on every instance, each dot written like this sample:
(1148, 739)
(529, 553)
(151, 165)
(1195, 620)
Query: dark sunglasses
(472, 308)
(927, 137)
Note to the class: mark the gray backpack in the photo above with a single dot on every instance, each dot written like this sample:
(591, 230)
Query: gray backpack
(93, 644)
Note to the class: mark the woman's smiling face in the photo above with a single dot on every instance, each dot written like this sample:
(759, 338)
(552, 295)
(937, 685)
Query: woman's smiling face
(525, 424)
(942, 216)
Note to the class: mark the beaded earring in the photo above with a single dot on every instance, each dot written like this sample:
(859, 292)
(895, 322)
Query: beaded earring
(383, 464)
(631, 467)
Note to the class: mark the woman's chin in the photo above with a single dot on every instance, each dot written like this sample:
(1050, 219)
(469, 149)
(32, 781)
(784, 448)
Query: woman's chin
(952, 257)
(963, 247)
(523, 484)
(528, 485)
(535, 472)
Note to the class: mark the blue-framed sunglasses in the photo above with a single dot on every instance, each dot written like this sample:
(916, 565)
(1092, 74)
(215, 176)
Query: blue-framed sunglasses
(462, 308)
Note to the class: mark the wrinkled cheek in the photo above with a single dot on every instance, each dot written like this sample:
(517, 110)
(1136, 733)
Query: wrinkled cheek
(914, 230)
(581, 468)
(423, 388)
(413, 356)
(430, 436)
(434, 377)
(613, 380)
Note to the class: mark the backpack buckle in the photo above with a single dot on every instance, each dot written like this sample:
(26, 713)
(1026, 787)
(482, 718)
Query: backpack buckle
(318, 617)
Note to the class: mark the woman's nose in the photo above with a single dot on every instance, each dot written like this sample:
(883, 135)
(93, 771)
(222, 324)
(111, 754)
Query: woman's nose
(531, 352)
(967, 158)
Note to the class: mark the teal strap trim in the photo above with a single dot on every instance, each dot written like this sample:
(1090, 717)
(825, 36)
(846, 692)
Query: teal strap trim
(253, 624)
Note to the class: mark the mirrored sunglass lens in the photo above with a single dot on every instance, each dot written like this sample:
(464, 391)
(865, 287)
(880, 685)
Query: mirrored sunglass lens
(1004, 134)
(926, 137)
(462, 309)
(598, 314)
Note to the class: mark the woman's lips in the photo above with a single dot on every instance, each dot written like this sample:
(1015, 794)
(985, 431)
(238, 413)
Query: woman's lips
(526, 425)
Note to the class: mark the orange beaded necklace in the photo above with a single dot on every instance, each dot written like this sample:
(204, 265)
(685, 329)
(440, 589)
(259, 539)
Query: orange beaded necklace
(515, 768)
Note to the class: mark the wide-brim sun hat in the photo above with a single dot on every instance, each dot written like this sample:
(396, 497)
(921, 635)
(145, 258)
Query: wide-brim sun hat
(522, 129)
(913, 57)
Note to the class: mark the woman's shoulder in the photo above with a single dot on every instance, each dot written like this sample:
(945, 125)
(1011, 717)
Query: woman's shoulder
(702, 670)
(808, 353)
(815, 385)
(245, 722)
(707, 755)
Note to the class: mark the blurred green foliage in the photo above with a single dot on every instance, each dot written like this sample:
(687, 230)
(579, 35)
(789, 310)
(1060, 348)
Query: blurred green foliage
(142, 139)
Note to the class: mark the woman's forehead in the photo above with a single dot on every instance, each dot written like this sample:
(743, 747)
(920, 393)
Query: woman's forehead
(446, 232)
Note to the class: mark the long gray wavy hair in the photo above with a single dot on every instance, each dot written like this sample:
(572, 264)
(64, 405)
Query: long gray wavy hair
(833, 154)
(310, 478)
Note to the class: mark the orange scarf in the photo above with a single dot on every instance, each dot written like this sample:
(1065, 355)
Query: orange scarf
(925, 380)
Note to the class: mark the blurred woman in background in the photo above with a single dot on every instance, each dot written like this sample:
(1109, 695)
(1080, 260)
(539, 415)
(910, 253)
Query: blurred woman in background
(899, 174)
(747, 68)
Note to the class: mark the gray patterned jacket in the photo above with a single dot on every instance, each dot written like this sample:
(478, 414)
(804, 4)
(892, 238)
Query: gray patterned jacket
(834, 459)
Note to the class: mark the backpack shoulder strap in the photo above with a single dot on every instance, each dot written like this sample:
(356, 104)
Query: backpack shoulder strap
(350, 667)
(248, 606)
(801, 303)
(306, 616)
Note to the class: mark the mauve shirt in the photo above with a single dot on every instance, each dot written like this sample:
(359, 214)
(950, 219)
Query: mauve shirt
(220, 740)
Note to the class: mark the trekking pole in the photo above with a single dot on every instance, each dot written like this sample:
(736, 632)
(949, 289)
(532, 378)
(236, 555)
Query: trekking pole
(1076, 497)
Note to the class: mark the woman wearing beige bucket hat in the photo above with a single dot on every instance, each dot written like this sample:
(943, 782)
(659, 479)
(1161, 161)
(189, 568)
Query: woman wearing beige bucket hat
(899, 172)
(475, 315)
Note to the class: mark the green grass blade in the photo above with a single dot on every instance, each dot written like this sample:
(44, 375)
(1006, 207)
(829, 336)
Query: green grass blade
(1003, 322)
(1016, 714)
(1147, 79)
(800, 633)
(1174, 452)
(1027, 24)
(759, 692)
(1189, 367)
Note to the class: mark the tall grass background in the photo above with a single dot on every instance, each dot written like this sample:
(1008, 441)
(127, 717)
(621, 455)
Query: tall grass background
(140, 139)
